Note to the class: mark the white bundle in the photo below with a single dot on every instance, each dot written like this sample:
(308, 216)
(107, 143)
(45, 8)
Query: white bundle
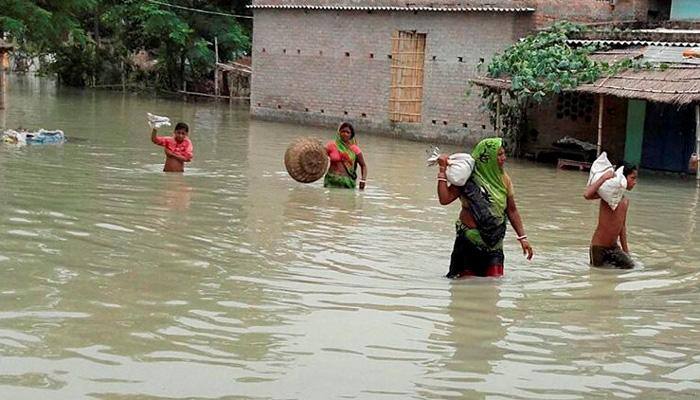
(155, 121)
(613, 190)
(459, 166)
(14, 137)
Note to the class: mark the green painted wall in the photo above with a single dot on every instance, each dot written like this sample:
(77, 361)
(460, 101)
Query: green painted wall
(636, 112)
(685, 10)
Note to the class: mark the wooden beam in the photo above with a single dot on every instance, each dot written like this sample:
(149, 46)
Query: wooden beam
(498, 114)
(216, 70)
(601, 104)
(2, 87)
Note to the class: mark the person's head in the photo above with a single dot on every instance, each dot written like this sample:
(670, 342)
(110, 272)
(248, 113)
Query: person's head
(501, 157)
(490, 151)
(346, 131)
(630, 173)
(181, 131)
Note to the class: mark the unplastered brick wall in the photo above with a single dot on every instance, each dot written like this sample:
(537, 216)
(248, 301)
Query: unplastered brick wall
(549, 11)
(321, 67)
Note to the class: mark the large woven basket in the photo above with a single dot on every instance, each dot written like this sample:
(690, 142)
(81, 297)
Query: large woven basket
(306, 160)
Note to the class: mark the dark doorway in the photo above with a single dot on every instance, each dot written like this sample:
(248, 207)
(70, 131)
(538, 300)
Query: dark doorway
(669, 137)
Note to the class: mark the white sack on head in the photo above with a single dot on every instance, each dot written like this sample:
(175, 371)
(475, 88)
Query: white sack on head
(156, 121)
(459, 168)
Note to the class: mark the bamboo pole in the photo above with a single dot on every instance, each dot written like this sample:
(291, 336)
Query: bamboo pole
(2, 88)
(498, 114)
(216, 69)
(123, 77)
(601, 103)
(3, 84)
(697, 140)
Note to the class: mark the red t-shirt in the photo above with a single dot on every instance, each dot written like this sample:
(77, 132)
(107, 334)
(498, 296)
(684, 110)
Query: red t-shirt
(182, 149)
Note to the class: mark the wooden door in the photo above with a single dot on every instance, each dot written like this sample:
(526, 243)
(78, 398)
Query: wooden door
(407, 61)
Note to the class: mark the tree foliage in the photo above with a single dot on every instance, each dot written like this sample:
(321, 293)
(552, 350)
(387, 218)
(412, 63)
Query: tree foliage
(538, 66)
(93, 39)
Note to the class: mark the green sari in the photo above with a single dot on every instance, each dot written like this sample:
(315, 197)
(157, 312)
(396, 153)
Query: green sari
(488, 176)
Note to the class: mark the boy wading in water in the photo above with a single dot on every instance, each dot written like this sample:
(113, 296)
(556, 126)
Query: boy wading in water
(605, 250)
(178, 148)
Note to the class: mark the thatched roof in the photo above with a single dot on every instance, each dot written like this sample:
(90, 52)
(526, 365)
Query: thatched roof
(678, 83)
(675, 85)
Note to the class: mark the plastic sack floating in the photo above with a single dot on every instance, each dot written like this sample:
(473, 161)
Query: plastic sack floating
(42, 136)
(613, 190)
(459, 166)
(156, 121)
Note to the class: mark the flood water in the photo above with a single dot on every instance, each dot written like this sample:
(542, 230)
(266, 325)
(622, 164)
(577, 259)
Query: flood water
(232, 281)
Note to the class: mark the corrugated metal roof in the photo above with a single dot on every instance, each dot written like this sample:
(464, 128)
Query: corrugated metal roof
(662, 54)
(392, 8)
(633, 43)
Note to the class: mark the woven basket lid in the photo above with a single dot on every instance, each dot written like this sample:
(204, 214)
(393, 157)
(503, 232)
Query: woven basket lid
(306, 160)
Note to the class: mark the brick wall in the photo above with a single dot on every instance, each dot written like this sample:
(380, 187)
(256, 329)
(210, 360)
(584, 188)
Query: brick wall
(549, 11)
(321, 67)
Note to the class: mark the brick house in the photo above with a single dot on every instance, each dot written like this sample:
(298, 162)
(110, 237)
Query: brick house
(393, 67)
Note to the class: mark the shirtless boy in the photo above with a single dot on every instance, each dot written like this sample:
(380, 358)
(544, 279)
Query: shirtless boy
(605, 250)
(178, 148)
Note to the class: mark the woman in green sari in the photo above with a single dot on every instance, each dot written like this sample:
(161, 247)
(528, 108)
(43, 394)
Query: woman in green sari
(345, 156)
(487, 200)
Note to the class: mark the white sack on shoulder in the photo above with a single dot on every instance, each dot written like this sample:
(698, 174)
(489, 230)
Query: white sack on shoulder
(613, 190)
(599, 167)
(459, 168)
(156, 121)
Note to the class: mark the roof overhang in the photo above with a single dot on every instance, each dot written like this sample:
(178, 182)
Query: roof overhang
(626, 43)
(487, 9)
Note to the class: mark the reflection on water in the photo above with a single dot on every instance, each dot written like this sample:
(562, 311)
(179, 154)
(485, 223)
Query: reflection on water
(119, 281)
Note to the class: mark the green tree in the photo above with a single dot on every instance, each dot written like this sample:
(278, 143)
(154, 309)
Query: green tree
(93, 39)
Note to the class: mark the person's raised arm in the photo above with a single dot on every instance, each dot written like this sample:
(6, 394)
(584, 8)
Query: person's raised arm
(363, 167)
(154, 138)
(446, 194)
(517, 223)
(591, 192)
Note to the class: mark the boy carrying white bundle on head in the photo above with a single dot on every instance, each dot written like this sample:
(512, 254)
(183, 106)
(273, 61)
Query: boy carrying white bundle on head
(609, 186)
